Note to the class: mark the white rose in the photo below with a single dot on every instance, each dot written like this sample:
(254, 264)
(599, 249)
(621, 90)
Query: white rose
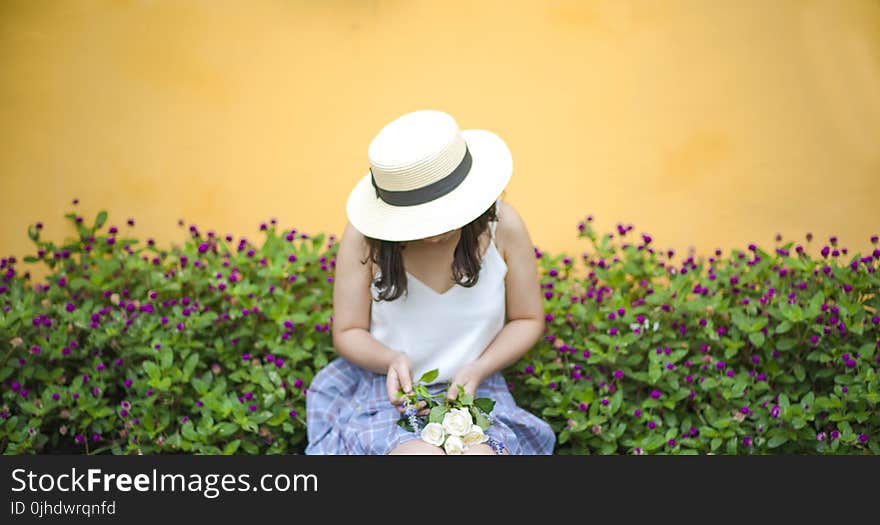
(433, 433)
(475, 436)
(454, 445)
(457, 421)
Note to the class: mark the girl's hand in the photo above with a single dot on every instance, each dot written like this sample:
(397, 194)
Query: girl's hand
(469, 377)
(399, 376)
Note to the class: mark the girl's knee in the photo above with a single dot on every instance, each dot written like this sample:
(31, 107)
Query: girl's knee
(480, 450)
(417, 447)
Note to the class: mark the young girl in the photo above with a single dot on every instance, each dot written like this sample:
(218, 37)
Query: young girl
(434, 271)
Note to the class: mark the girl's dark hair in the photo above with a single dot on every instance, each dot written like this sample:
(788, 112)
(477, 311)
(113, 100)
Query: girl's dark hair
(387, 255)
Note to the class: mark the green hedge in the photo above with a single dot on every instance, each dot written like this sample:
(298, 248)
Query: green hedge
(209, 347)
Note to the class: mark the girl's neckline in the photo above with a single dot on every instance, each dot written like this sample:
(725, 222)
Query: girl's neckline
(455, 285)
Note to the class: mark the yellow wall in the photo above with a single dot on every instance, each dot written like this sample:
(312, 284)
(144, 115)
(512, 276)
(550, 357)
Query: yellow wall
(706, 123)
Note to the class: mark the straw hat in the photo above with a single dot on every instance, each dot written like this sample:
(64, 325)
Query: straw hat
(427, 177)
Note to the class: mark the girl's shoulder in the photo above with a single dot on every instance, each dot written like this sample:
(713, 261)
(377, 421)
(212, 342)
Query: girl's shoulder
(511, 228)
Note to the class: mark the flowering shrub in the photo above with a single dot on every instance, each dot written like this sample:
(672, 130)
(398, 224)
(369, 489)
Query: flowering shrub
(209, 347)
(129, 348)
(753, 353)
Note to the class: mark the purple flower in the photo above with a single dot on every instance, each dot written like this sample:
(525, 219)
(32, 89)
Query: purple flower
(293, 413)
(747, 441)
(652, 425)
(671, 442)
(56, 396)
(583, 407)
(252, 408)
(637, 412)
(863, 438)
(835, 434)
(774, 412)
(655, 394)
(605, 401)
(820, 436)
(618, 374)
(745, 410)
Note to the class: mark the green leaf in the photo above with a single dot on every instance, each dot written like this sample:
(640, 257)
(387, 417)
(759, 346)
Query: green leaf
(464, 397)
(783, 327)
(429, 376)
(757, 325)
(100, 219)
(757, 339)
(481, 421)
(190, 365)
(437, 413)
(226, 429)
(731, 446)
(189, 432)
(816, 303)
(231, 447)
(783, 402)
(799, 372)
(485, 404)
(166, 357)
(777, 440)
(786, 344)
(654, 373)
(151, 369)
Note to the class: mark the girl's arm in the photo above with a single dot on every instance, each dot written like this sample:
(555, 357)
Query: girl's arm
(351, 315)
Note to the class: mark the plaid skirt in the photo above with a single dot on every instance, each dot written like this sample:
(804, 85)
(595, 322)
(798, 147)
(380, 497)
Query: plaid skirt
(348, 412)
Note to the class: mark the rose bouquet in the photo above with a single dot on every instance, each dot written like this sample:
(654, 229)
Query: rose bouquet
(453, 424)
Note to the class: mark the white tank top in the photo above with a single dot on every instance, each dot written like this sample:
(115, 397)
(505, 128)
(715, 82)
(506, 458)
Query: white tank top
(448, 330)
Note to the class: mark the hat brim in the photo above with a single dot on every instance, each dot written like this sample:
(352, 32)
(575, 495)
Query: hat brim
(490, 172)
